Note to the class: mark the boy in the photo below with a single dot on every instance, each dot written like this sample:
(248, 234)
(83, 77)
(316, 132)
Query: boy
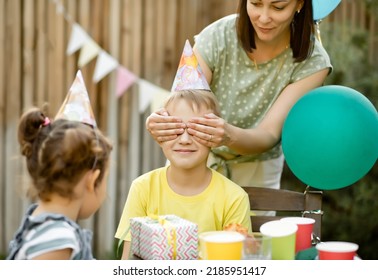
(186, 187)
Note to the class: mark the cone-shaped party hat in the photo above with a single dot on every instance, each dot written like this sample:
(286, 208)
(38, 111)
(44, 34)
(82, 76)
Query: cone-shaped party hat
(76, 106)
(189, 73)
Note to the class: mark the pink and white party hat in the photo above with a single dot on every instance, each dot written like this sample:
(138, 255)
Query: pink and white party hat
(189, 74)
(76, 106)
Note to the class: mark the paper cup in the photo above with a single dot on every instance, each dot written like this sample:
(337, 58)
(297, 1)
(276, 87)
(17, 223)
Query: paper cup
(221, 245)
(304, 232)
(283, 238)
(336, 250)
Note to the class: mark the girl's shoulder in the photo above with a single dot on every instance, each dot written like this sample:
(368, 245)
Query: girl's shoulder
(47, 232)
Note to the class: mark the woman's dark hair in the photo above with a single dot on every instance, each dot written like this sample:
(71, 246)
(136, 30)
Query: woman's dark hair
(302, 31)
(58, 153)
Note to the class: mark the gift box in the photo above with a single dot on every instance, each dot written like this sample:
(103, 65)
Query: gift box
(166, 237)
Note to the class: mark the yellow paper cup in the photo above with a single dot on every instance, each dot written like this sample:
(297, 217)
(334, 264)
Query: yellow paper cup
(283, 238)
(221, 245)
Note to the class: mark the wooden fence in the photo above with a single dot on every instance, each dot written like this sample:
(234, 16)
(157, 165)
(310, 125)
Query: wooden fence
(145, 36)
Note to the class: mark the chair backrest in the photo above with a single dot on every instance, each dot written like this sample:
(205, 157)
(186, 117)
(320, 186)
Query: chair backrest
(286, 203)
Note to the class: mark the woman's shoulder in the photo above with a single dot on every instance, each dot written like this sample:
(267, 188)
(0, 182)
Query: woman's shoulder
(318, 60)
(319, 50)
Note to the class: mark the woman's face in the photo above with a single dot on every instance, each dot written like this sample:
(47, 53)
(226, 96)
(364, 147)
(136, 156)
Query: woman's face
(272, 19)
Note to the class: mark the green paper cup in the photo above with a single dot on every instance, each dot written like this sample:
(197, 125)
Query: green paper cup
(283, 238)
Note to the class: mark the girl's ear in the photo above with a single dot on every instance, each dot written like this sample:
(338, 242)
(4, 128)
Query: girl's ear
(92, 178)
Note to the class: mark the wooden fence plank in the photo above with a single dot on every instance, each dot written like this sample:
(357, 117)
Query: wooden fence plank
(13, 203)
(104, 239)
(3, 237)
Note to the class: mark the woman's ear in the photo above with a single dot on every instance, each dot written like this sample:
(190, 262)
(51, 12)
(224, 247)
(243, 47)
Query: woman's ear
(92, 178)
(300, 5)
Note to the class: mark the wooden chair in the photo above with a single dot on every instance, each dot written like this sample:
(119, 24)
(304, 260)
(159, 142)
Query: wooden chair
(286, 203)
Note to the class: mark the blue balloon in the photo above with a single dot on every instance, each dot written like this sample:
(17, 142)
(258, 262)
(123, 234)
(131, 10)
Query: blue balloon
(330, 137)
(322, 8)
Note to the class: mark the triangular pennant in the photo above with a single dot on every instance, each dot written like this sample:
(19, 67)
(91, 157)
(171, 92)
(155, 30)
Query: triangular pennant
(104, 65)
(78, 39)
(125, 79)
(88, 52)
(189, 73)
(158, 99)
(76, 106)
(146, 94)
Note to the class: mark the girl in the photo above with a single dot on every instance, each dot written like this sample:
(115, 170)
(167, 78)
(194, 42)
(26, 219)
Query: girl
(68, 163)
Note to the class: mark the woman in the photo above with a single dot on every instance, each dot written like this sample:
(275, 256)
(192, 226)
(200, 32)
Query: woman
(258, 63)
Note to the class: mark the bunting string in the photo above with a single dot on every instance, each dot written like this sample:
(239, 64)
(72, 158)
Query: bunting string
(149, 94)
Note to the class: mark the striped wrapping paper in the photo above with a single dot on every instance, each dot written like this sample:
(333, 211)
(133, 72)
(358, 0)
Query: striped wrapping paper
(164, 237)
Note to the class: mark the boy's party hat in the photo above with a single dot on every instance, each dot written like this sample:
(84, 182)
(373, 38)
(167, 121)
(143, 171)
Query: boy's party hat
(189, 73)
(76, 106)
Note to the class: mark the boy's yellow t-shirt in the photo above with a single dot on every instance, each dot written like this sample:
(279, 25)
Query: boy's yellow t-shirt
(223, 202)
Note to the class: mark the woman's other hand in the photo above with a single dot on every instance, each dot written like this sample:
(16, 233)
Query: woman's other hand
(210, 130)
(163, 127)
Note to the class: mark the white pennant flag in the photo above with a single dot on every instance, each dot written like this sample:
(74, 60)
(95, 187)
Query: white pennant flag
(158, 99)
(88, 52)
(78, 39)
(104, 65)
(146, 94)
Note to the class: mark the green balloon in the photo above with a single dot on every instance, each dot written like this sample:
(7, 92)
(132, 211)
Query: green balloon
(330, 137)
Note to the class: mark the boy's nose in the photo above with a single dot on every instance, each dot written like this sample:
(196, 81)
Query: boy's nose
(185, 137)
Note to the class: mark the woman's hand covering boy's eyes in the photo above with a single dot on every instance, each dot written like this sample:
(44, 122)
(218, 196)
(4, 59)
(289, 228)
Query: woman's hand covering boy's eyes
(163, 127)
(209, 130)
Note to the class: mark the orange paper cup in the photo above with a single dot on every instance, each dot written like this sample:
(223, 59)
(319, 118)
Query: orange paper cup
(336, 250)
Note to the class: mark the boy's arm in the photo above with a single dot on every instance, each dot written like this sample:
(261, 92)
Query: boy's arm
(126, 250)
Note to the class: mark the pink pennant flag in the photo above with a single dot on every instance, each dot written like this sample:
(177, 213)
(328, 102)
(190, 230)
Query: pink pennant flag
(125, 79)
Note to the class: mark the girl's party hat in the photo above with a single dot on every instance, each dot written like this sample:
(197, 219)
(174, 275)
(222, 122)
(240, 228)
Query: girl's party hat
(189, 73)
(76, 106)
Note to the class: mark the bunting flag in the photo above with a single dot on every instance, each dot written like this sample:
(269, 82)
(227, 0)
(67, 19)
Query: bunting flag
(149, 94)
(78, 39)
(104, 65)
(158, 99)
(124, 80)
(88, 52)
(147, 91)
